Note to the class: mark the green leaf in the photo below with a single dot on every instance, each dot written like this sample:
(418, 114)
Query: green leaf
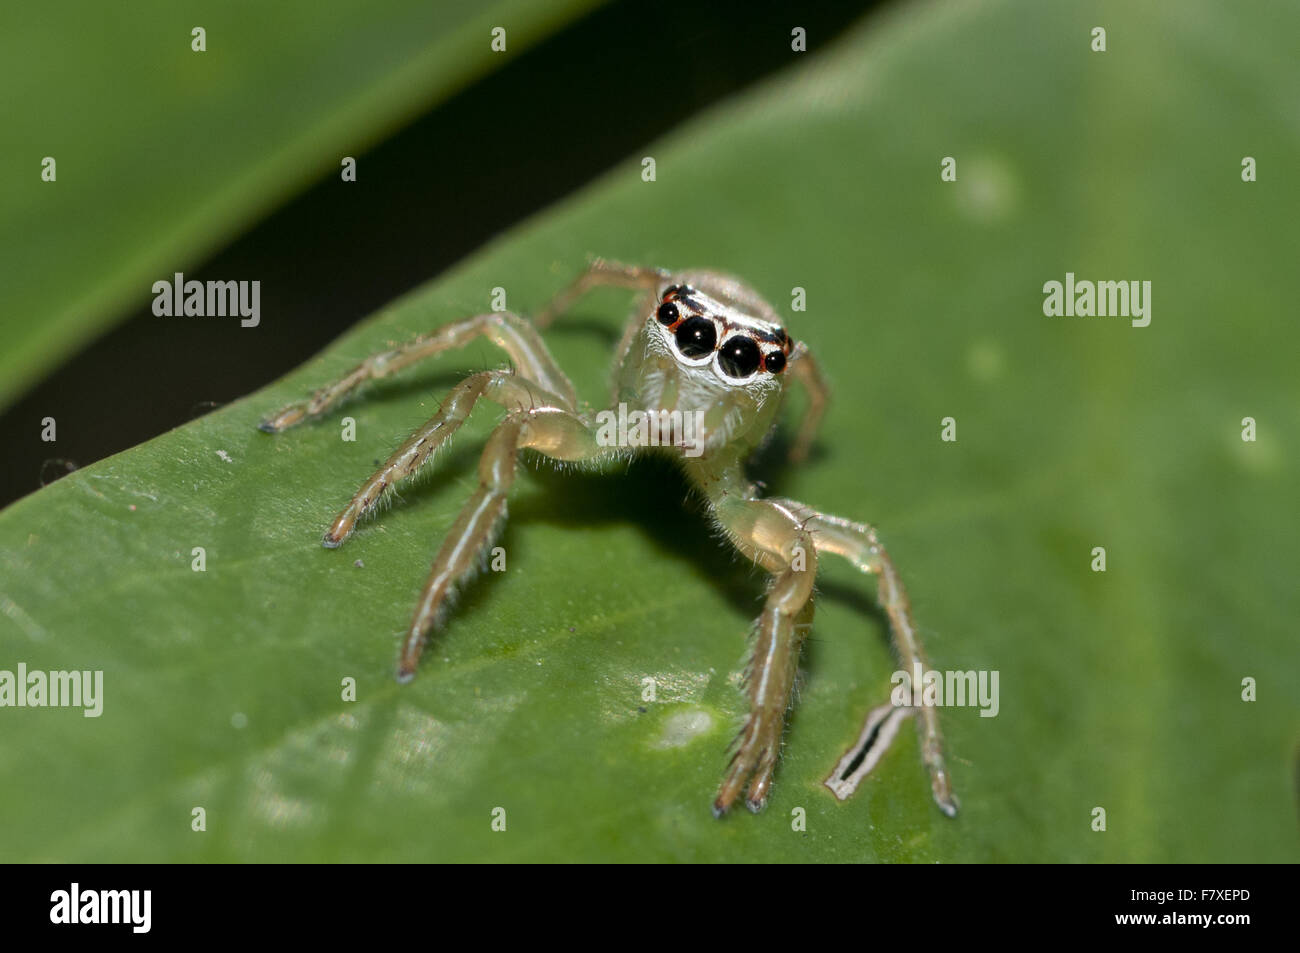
(162, 153)
(1120, 690)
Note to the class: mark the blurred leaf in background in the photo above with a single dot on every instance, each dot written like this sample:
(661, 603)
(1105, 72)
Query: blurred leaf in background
(279, 94)
(1120, 690)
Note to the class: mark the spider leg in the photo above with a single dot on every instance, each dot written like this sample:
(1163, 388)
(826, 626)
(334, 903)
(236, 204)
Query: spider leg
(774, 536)
(502, 387)
(553, 431)
(512, 334)
(859, 544)
(805, 369)
(600, 273)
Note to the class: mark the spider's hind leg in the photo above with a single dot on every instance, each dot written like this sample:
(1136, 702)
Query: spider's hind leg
(859, 544)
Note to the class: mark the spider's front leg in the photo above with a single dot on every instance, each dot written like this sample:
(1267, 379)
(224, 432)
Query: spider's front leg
(511, 333)
(501, 387)
(554, 431)
(804, 368)
(599, 274)
(775, 537)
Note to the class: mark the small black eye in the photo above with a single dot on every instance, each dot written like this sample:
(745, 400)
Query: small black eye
(774, 362)
(739, 356)
(668, 313)
(696, 337)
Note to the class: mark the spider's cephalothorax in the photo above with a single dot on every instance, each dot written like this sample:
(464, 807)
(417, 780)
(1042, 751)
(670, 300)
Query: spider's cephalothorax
(706, 354)
(699, 372)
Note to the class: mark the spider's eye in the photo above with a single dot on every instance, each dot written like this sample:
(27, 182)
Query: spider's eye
(739, 356)
(668, 313)
(696, 337)
(774, 362)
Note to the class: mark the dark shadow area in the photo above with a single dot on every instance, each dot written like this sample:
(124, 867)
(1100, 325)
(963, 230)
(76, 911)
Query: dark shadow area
(652, 494)
(543, 126)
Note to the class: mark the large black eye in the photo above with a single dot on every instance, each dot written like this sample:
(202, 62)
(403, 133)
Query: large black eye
(668, 313)
(696, 337)
(739, 356)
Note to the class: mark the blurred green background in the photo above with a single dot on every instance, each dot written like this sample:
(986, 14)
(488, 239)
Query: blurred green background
(1119, 690)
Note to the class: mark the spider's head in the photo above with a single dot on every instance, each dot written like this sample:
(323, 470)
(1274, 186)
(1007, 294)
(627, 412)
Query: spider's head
(716, 354)
(706, 335)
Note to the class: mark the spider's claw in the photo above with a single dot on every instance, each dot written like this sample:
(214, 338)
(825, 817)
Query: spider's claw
(339, 530)
(283, 420)
(406, 669)
(738, 771)
(943, 795)
(760, 787)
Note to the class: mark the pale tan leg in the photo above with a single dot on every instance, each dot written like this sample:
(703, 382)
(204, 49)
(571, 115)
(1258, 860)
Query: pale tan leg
(512, 334)
(858, 543)
(600, 273)
(771, 534)
(805, 369)
(552, 431)
(501, 387)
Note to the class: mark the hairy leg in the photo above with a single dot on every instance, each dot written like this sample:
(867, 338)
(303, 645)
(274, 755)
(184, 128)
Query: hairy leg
(512, 334)
(501, 387)
(600, 273)
(859, 544)
(773, 536)
(553, 431)
(804, 368)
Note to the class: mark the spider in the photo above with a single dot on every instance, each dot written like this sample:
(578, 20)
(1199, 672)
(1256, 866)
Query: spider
(706, 345)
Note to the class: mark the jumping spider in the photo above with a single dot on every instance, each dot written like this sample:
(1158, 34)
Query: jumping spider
(705, 344)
